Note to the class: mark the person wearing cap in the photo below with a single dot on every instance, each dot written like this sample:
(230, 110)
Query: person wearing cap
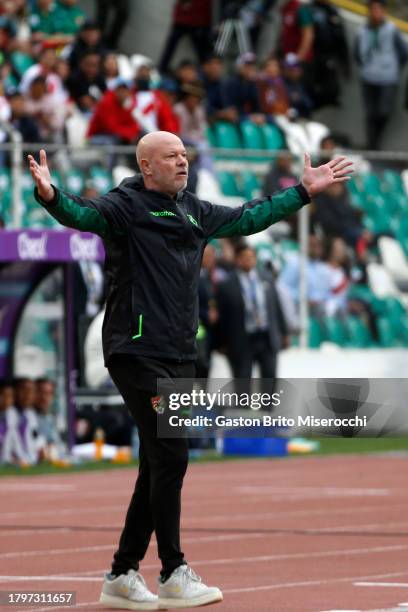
(300, 102)
(381, 53)
(241, 90)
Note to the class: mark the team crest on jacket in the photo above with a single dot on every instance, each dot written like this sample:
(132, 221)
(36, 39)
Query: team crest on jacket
(158, 403)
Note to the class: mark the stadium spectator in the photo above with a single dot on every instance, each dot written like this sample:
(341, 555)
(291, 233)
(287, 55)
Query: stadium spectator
(214, 83)
(70, 17)
(33, 443)
(340, 303)
(21, 120)
(273, 93)
(89, 38)
(331, 57)
(47, 428)
(11, 446)
(113, 120)
(186, 72)
(110, 70)
(280, 174)
(46, 111)
(335, 215)
(241, 89)
(46, 25)
(121, 11)
(7, 34)
(191, 18)
(381, 53)
(251, 323)
(46, 68)
(169, 90)
(87, 85)
(317, 275)
(297, 33)
(191, 114)
(301, 104)
(152, 110)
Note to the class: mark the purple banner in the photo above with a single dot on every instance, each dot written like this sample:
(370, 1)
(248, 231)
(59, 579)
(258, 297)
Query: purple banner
(50, 246)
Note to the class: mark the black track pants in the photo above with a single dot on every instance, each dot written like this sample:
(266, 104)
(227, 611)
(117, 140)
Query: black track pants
(156, 500)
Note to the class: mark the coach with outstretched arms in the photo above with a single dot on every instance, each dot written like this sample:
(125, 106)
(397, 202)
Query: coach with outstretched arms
(154, 234)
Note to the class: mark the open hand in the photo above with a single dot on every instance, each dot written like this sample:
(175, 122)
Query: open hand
(316, 180)
(42, 177)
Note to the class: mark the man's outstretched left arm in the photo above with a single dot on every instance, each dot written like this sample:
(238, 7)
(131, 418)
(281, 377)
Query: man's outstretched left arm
(257, 215)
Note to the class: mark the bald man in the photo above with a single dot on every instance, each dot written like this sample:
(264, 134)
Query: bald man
(154, 234)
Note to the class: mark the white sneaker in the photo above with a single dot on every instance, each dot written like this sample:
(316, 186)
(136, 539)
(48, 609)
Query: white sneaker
(128, 591)
(184, 589)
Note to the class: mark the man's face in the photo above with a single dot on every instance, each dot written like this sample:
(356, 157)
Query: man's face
(45, 396)
(90, 66)
(315, 248)
(168, 167)
(376, 13)
(246, 260)
(25, 394)
(17, 106)
(91, 37)
(213, 69)
(248, 71)
(48, 59)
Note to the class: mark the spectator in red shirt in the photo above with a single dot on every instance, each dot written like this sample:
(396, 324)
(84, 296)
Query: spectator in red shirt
(152, 110)
(113, 121)
(191, 18)
(297, 34)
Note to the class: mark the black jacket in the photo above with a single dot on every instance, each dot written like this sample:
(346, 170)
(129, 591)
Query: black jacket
(154, 246)
(231, 310)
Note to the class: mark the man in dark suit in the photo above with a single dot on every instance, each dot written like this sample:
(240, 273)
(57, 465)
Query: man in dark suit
(251, 321)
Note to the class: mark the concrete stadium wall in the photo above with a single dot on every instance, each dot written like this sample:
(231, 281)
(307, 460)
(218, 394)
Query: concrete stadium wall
(146, 33)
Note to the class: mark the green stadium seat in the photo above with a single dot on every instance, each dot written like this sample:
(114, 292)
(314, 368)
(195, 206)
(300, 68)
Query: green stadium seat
(273, 137)
(209, 133)
(228, 184)
(316, 335)
(371, 184)
(251, 135)
(335, 331)
(392, 182)
(358, 332)
(249, 184)
(101, 179)
(227, 135)
(386, 333)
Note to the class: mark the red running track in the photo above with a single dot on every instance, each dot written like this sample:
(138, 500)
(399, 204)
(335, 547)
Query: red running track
(297, 535)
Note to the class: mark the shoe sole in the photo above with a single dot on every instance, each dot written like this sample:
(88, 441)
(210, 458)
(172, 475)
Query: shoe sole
(125, 604)
(204, 600)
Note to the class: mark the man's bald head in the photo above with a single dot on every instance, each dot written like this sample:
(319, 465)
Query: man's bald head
(162, 160)
(150, 142)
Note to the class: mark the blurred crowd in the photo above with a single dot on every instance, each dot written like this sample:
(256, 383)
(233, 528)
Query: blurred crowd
(55, 64)
(28, 431)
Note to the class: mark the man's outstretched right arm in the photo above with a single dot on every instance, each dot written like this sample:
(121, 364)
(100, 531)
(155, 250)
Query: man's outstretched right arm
(87, 215)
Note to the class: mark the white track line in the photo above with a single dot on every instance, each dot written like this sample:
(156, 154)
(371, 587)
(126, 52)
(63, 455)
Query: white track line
(400, 585)
(257, 559)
